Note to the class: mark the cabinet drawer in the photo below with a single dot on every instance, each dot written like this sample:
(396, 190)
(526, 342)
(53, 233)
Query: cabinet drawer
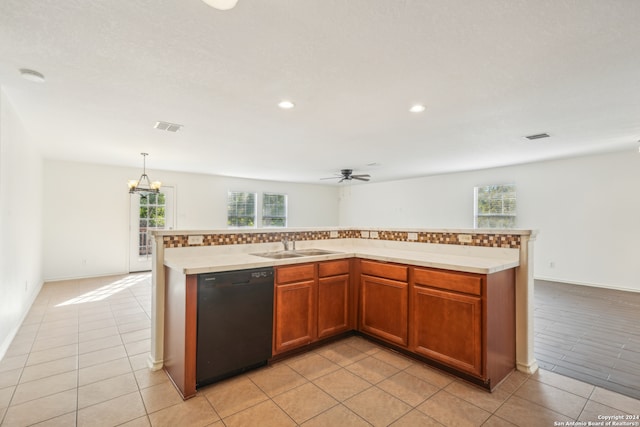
(388, 271)
(333, 268)
(295, 273)
(458, 282)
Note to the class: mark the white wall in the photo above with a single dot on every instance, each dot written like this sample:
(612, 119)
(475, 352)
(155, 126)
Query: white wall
(86, 226)
(202, 199)
(20, 222)
(587, 212)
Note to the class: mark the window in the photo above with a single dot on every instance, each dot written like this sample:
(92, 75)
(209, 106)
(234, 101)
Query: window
(495, 206)
(152, 217)
(241, 209)
(274, 210)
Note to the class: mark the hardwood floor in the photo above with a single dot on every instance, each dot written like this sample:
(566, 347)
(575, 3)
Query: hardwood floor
(590, 334)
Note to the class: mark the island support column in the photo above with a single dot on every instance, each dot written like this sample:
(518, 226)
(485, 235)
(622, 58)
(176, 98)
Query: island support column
(525, 358)
(156, 353)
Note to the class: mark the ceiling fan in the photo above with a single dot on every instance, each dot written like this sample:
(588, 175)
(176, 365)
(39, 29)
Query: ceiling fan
(347, 174)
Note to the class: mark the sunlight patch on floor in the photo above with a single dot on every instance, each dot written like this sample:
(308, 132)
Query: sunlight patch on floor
(107, 290)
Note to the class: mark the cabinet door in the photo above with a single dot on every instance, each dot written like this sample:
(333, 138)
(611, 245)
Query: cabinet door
(383, 308)
(333, 305)
(447, 327)
(294, 315)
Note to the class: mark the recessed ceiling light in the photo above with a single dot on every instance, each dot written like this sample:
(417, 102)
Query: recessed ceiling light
(286, 105)
(221, 4)
(32, 75)
(417, 108)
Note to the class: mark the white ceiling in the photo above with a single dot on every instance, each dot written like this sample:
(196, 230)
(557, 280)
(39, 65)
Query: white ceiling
(489, 73)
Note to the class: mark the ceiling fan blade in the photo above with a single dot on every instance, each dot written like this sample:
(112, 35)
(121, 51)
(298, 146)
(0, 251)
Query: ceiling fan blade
(346, 175)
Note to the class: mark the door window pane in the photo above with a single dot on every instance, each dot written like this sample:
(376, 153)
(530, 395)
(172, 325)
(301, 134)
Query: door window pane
(152, 217)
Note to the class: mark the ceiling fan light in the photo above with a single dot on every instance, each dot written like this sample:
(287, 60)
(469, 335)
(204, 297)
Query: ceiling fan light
(221, 4)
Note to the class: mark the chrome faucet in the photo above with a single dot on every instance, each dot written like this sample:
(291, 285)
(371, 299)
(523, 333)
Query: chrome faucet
(285, 243)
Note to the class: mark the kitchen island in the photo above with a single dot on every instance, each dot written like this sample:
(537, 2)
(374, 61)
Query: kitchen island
(480, 282)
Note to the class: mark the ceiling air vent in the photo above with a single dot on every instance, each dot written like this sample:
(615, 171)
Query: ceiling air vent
(169, 127)
(537, 136)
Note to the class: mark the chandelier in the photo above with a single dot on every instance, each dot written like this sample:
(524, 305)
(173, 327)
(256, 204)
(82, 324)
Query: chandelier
(144, 184)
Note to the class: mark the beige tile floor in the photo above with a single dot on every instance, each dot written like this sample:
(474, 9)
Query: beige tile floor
(79, 359)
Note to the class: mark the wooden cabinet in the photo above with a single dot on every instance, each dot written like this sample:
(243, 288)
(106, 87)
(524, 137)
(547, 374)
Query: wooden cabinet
(462, 322)
(312, 301)
(180, 333)
(447, 327)
(384, 299)
(333, 298)
(465, 321)
(294, 307)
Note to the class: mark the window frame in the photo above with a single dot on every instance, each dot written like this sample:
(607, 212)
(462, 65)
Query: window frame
(508, 216)
(255, 210)
(286, 210)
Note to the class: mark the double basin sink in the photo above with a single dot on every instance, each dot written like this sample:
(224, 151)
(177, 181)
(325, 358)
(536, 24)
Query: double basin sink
(295, 253)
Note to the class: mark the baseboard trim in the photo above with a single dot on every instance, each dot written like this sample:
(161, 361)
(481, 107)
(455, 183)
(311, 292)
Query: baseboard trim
(595, 285)
(4, 346)
(154, 365)
(91, 276)
(529, 368)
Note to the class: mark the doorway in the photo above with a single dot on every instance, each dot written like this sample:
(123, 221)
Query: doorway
(148, 212)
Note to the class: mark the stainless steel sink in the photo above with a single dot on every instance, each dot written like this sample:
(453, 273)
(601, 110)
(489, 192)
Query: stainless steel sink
(294, 254)
(311, 252)
(278, 255)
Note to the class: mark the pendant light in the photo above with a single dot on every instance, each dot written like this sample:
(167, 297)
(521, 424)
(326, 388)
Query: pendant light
(144, 184)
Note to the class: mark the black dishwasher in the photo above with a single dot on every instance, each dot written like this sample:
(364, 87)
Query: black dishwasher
(235, 318)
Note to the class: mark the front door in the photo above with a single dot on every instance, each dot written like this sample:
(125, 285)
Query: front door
(148, 213)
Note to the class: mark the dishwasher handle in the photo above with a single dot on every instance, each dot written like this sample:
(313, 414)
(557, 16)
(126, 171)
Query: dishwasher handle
(228, 284)
(237, 278)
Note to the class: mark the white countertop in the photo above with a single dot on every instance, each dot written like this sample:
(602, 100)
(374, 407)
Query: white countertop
(196, 260)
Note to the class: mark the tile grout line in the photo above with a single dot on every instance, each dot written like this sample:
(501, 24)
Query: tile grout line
(511, 394)
(399, 370)
(367, 355)
(6, 412)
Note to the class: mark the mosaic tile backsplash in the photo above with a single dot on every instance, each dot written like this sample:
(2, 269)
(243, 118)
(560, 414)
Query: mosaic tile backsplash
(511, 241)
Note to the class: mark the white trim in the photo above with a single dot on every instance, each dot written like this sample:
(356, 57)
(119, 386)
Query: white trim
(154, 365)
(527, 368)
(595, 285)
(4, 346)
(60, 279)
